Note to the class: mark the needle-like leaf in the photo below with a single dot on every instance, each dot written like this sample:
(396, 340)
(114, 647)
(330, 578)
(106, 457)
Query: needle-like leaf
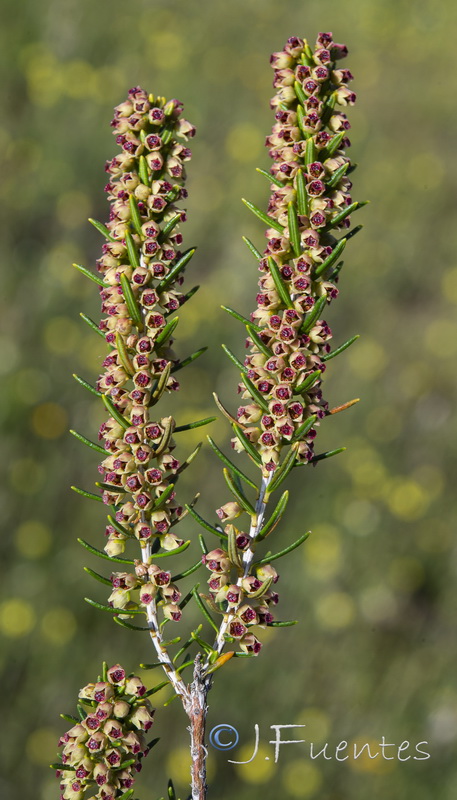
(132, 252)
(234, 359)
(248, 446)
(341, 348)
(270, 525)
(197, 424)
(270, 221)
(281, 288)
(132, 305)
(90, 322)
(330, 260)
(102, 554)
(271, 178)
(240, 317)
(90, 444)
(167, 332)
(124, 423)
(204, 524)
(294, 231)
(175, 270)
(135, 214)
(239, 496)
(302, 197)
(90, 495)
(101, 229)
(286, 550)
(90, 275)
(229, 463)
(252, 248)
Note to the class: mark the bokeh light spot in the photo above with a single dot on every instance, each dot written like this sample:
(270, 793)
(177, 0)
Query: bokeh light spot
(17, 617)
(378, 603)
(383, 424)
(27, 476)
(449, 284)
(323, 551)
(41, 746)
(61, 335)
(30, 385)
(407, 499)
(178, 765)
(441, 338)
(360, 517)
(317, 724)
(49, 420)
(244, 142)
(301, 779)
(368, 359)
(260, 769)
(73, 209)
(33, 539)
(80, 79)
(58, 625)
(335, 610)
(364, 763)
(168, 49)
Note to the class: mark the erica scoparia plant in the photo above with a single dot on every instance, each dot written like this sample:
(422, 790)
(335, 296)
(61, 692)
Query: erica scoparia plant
(140, 277)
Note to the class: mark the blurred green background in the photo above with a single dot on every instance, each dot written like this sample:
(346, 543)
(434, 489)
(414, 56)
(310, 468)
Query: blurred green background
(374, 587)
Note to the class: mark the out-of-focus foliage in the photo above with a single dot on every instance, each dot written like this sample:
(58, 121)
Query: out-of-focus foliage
(374, 588)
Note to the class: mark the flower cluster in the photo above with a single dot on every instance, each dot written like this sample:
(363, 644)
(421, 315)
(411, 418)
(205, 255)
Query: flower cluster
(310, 201)
(245, 603)
(102, 752)
(149, 583)
(142, 271)
(288, 340)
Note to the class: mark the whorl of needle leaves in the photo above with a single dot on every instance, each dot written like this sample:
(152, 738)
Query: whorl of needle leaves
(140, 277)
(288, 338)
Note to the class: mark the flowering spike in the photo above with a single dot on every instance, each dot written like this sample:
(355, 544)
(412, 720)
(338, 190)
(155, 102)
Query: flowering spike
(103, 750)
(281, 377)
